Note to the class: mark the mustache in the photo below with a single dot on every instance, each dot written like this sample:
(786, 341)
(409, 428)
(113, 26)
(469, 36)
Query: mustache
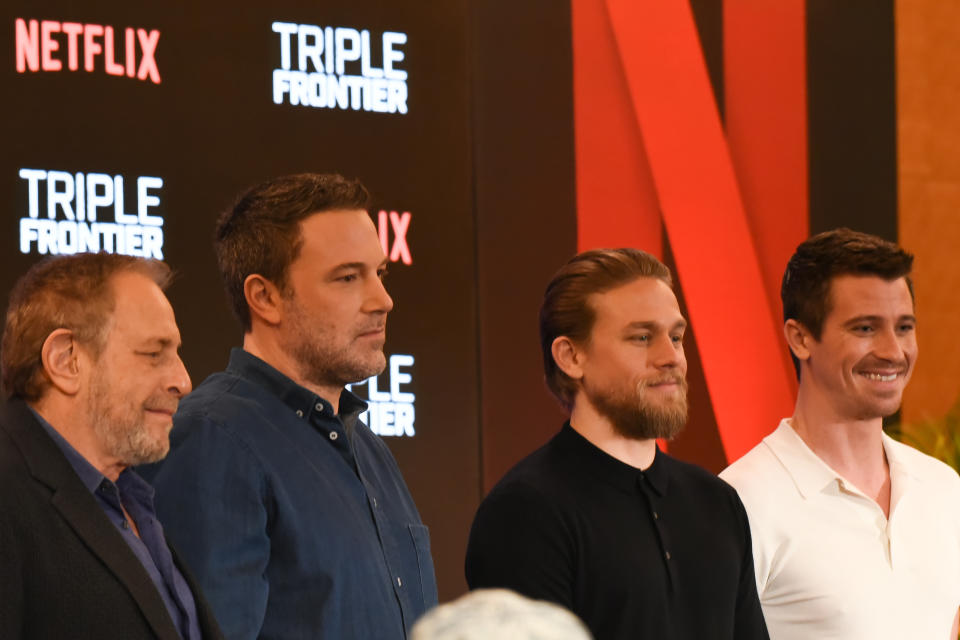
(376, 326)
(162, 404)
(667, 378)
(873, 362)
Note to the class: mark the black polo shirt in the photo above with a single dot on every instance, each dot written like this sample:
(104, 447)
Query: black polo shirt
(660, 553)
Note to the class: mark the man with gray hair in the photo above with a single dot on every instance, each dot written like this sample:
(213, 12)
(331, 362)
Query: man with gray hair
(500, 614)
(91, 379)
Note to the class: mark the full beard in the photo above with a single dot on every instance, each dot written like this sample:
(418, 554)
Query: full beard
(634, 416)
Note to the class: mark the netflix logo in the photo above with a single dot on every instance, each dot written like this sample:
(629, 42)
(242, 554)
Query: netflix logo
(48, 45)
(392, 229)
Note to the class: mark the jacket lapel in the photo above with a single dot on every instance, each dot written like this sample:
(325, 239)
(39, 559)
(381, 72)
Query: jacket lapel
(84, 515)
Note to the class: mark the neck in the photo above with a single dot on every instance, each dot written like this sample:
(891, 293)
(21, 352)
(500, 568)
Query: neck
(599, 431)
(269, 350)
(852, 447)
(62, 414)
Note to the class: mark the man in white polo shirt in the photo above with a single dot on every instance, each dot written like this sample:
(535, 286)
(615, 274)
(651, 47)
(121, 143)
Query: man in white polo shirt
(855, 536)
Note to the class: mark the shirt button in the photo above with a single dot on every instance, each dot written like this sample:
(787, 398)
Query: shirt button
(656, 516)
(399, 582)
(125, 525)
(319, 406)
(374, 503)
(334, 435)
(667, 555)
(299, 413)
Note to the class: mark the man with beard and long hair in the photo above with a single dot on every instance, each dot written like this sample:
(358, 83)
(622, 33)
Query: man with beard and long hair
(855, 535)
(599, 520)
(91, 379)
(293, 513)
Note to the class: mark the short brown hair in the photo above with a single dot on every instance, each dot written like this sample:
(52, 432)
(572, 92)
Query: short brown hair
(260, 234)
(805, 290)
(65, 292)
(566, 308)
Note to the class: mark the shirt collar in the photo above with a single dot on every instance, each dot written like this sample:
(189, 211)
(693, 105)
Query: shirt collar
(605, 466)
(300, 399)
(129, 483)
(89, 475)
(900, 468)
(810, 473)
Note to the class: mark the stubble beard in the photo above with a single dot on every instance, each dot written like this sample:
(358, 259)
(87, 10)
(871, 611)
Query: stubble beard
(634, 416)
(323, 364)
(122, 431)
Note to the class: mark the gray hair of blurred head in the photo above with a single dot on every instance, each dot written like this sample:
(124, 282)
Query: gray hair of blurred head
(501, 614)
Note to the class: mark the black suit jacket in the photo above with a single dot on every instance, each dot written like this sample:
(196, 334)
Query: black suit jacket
(65, 570)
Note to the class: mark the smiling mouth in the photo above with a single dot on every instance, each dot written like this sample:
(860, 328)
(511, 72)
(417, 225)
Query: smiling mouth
(880, 377)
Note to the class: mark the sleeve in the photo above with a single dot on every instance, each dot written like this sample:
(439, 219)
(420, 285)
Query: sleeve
(519, 541)
(213, 503)
(748, 623)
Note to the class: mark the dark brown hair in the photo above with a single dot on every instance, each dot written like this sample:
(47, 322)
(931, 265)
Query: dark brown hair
(805, 290)
(566, 308)
(66, 292)
(260, 234)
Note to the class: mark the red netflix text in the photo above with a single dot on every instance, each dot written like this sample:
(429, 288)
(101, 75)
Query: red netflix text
(396, 225)
(48, 45)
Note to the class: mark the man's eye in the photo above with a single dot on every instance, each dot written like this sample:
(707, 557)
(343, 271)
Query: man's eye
(678, 339)
(350, 277)
(642, 338)
(382, 273)
(863, 329)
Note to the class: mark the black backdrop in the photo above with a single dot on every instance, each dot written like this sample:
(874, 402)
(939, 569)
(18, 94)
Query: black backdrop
(481, 160)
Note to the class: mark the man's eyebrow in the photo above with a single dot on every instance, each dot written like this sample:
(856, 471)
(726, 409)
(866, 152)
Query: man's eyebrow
(875, 318)
(346, 266)
(651, 325)
(163, 343)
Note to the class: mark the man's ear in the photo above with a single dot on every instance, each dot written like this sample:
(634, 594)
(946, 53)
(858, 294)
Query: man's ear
(263, 298)
(568, 356)
(798, 339)
(60, 358)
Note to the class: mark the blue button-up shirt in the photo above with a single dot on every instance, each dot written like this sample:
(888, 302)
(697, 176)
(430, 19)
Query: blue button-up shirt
(295, 519)
(134, 494)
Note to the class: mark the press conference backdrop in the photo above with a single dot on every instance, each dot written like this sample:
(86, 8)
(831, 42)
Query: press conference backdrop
(130, 129)
(497, 139)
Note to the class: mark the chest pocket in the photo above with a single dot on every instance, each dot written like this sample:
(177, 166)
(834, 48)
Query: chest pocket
(428, 581)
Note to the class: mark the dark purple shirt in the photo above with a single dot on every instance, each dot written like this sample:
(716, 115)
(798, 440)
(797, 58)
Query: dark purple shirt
(134, 493)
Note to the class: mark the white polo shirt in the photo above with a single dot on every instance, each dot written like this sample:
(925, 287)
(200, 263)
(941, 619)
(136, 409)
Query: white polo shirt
(830, 565)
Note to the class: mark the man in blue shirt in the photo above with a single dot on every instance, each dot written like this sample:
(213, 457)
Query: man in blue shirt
(91, 379)
(292, 512)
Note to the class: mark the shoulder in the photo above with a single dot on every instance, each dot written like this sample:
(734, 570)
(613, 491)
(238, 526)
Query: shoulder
(227, 409)
(759, 472)
(531, 504)
(215, 435)
(540, 476)
(16, 482)
(932, 472)
(220, 398)
(543, 474)
(702, 490)
(695, 477)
